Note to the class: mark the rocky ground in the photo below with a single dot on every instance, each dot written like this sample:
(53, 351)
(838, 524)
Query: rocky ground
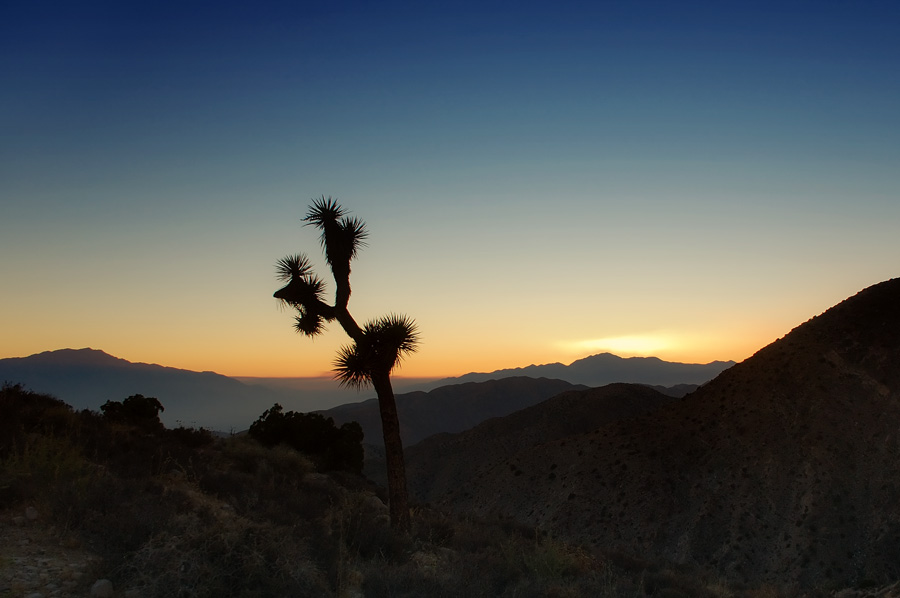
(891, 591)
(39, 561)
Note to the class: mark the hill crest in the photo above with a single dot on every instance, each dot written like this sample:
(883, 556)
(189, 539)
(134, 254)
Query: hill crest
(605, 368)
(782, 468)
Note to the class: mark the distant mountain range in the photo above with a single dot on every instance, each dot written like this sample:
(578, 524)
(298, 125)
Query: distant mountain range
(606, 368)
(87, 378)
(782, 469)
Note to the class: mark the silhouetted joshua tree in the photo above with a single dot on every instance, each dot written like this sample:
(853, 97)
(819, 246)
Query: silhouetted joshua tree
(377, 347)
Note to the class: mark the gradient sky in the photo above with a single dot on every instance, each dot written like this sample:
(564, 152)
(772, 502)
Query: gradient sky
(541, 181)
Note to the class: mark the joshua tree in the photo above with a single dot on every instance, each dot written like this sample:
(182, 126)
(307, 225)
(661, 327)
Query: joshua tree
(377, 346)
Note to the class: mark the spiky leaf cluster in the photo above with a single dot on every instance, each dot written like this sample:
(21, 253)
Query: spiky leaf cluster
(341, 236)
(383, 344)
(304, 292)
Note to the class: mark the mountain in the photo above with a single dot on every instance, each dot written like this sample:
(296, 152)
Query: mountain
(569, 413)
(87, 378)
(451, 408)
(606, 368)
(782, 469)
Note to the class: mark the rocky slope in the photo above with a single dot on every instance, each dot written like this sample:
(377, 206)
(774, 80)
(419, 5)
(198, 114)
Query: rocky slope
(460, 456)
(784, 468)
(38, 560)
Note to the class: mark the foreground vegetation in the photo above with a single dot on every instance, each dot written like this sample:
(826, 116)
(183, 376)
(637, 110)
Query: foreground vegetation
(182, 513)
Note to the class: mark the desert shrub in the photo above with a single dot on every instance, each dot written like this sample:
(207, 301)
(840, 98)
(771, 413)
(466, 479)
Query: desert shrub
(191, 437)
(40, 456)
(267, 465)
(137, 410)
(235, 487)
(43, 468)
(330, 447)
(262, 483)
(369, 535)
(433, 526)
(25, 412)
(125, 515)
(234, 557)
(551, 559)
(131, 452)
(407, 581)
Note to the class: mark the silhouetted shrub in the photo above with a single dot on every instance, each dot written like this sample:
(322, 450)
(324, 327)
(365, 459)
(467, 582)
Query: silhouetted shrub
(191, 437)
(137, 410)
(330, 447)
(24, 412)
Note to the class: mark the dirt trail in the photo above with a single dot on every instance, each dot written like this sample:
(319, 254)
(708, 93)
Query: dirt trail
(37, 561)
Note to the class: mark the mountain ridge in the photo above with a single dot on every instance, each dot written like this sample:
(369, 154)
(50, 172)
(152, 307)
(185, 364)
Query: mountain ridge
(450, 408)
(606, 368)
(783, 468)
(86, 378)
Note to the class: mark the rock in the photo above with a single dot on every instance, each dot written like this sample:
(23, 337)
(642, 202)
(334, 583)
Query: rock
(31, 514)
(376, 511)
(102, 588)
(373, 504)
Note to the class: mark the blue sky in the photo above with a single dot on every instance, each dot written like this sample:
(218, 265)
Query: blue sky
(541, 180)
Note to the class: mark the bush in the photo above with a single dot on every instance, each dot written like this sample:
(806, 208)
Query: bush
(233, 557)
(191, 437)
(43, 468)
(330, 447)
(137, 410)
(25, 412)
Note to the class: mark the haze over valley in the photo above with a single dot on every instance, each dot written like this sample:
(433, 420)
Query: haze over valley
(86, 378)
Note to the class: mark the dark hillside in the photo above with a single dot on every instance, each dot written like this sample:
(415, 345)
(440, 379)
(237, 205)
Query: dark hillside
(440, 465)
(450, 408)
(784, 468)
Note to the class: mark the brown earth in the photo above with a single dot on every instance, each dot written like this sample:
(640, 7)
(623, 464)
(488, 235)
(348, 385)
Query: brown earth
(37, 559)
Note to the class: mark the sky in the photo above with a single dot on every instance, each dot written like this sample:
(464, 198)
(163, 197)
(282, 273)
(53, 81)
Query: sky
(541, 181)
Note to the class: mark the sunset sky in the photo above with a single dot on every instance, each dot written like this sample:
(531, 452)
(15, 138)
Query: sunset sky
(541, 181)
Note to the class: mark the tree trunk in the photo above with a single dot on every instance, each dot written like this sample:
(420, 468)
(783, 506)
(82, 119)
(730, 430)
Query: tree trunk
(393, 452)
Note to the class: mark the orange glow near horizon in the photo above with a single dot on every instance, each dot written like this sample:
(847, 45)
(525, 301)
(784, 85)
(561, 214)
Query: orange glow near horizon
(315, 360)
(274, 351)
(265, 346)
(530, 325)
